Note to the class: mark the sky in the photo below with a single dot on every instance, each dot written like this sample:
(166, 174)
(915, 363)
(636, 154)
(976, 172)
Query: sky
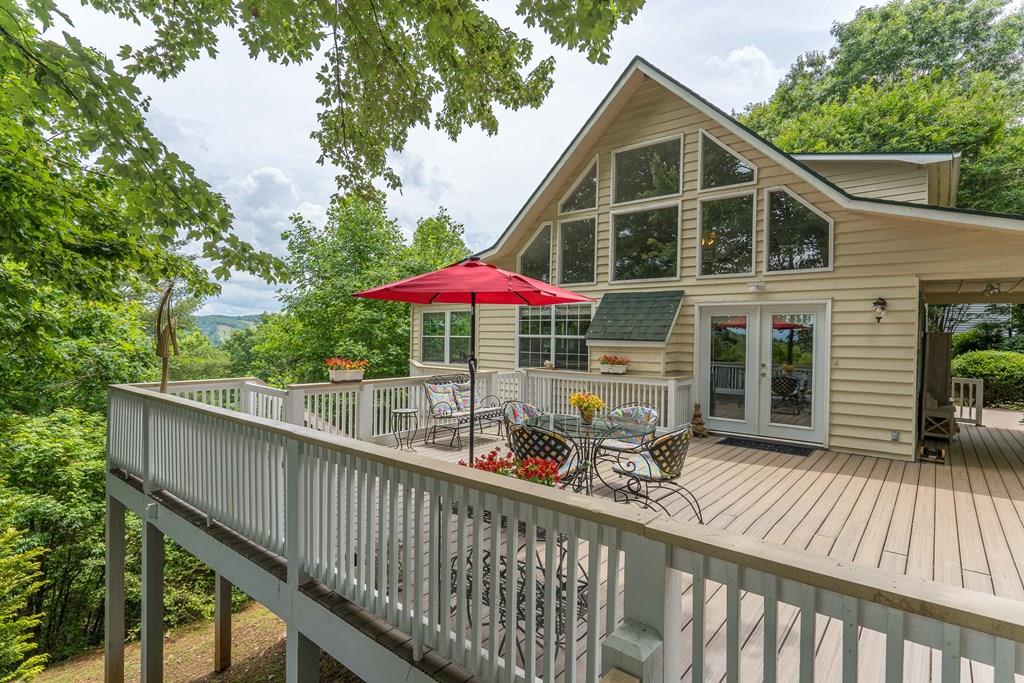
(244, 124)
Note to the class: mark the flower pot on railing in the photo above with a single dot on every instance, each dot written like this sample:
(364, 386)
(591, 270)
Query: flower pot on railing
(340, 375)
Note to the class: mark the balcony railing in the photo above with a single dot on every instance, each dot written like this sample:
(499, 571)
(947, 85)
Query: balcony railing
(427, 546)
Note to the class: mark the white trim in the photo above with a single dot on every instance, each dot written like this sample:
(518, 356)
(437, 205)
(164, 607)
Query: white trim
(529, 243)
(700, 164)
(917, 158)
(558, 248)
(767, 233)
(595, 163)
(447, 313)
(647, 143)
(602, 343)
(652, 206)
(752, 192)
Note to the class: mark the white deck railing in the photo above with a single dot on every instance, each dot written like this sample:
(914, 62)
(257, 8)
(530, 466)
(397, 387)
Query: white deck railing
(412, 540)
(363, 410)
(968, 399)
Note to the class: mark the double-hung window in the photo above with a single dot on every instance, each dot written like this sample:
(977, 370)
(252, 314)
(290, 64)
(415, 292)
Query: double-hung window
(553, 333)
(444, 337)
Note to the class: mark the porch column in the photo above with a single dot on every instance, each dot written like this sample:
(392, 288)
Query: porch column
(152, 604)
(113, 606)
(221, 624)
(651, 608)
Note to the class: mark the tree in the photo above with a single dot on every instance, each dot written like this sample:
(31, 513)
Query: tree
(921, 75)
(385, 65)
(19, 583)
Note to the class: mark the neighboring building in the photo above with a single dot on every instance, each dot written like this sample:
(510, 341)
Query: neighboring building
(714, 255)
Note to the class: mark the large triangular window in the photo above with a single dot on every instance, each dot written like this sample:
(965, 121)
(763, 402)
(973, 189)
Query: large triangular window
(583, 196)
(722, 167)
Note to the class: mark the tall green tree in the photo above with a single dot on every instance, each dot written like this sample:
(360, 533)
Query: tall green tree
(20, 581)
(385, 66)
(922, 75)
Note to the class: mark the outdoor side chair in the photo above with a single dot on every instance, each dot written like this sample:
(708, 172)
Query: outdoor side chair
(532, 442)
(652, 470)
(787, 389)
(515, 413)
(636, 411)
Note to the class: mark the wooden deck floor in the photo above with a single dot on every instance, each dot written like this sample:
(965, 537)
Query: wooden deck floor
(961, 523)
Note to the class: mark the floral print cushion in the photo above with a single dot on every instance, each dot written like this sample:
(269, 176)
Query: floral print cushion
(638, 466)
(636, 413)
(517, 412)
(442, 400)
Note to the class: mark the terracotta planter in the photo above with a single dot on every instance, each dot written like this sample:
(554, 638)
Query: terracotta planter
(338, 375)
(613, 369)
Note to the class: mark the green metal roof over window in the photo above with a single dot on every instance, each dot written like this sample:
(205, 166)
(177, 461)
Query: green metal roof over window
(635, 316)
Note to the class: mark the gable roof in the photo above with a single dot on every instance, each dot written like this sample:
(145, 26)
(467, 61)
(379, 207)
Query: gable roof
(639, 68)
(635, 316)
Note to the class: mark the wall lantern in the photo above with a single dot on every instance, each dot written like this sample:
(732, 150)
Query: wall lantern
(879, 305)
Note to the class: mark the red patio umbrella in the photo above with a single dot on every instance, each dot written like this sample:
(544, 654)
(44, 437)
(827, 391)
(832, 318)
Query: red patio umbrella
(471, 282)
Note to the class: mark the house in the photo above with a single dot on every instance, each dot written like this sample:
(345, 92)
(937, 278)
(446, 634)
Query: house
(798, 280)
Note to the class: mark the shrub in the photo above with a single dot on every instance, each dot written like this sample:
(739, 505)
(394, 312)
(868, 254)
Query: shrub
(1003, 372)
(1015, 343)
(984, 337)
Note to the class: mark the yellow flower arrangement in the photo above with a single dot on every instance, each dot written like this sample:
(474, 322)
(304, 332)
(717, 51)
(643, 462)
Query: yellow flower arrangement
(587, 403)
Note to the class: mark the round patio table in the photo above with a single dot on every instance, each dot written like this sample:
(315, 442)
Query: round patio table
(588, 437)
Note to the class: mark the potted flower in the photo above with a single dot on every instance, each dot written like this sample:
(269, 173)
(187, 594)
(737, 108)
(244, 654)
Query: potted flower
(536, 470)
(346, 369)
(587, 403)
(613, 365)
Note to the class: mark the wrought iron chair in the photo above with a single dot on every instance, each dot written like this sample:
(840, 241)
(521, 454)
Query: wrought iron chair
(515, 413)
(636, 411)
(787, 389)
(448, 407)
(652, 470)
(532, 442)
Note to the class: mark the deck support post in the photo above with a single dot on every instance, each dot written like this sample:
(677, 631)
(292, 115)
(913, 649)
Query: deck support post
(221, 624)
(152, 603)
(113, 622)
(651, 608)
(302, 658)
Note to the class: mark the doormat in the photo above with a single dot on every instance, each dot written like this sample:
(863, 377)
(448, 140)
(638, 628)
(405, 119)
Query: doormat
(787, 448)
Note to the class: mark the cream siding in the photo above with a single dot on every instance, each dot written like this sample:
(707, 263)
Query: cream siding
(877, 179)
(873, 368)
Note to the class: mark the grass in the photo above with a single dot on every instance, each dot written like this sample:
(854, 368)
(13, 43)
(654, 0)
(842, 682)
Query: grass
(257, 639)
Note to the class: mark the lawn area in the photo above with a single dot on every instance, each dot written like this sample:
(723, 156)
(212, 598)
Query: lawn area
(257, 655)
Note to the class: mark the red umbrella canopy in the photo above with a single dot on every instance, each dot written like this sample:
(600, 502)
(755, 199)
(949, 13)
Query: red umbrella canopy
(473, 281)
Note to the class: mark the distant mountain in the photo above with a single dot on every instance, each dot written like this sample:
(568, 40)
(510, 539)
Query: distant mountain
(219, 327)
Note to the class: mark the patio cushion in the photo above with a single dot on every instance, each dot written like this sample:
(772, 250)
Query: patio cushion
(640, 467)
(441, 397)
(461, 393)
(517, 412)
(637, 413)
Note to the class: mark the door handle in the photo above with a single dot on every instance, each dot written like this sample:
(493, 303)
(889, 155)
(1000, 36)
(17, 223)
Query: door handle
(764, 374)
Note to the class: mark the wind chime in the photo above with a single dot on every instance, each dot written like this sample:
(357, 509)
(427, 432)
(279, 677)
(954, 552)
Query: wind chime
(166, 335)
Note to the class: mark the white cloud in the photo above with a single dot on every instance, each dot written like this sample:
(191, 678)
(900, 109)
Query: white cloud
(746, 72)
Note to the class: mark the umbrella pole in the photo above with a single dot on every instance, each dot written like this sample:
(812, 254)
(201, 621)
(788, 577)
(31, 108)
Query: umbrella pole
(472, 372)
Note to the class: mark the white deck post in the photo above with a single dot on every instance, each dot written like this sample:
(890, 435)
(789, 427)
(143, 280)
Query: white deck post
(672, 401)
(522, 385)
(221, 624)
(302, 657)
(364, 412)
(152, 603)
(295, 406)
(113, 622)
(245, 398)
(652, 612)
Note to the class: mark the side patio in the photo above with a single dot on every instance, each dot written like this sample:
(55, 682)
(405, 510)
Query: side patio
(848, 567)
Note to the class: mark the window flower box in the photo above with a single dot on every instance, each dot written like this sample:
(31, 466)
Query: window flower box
(613, 365)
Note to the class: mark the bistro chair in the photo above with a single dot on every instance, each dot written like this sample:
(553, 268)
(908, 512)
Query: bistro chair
(786, 388)
(636, 411)
(515, 413)
(532, 442)
(652, 470)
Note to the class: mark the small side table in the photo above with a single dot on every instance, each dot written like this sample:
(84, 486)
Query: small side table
(404, 420)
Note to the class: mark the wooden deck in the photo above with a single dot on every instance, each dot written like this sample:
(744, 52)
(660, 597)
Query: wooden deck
(961, 523)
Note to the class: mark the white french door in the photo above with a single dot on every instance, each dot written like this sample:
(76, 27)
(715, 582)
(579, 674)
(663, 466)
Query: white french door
(762, 369)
